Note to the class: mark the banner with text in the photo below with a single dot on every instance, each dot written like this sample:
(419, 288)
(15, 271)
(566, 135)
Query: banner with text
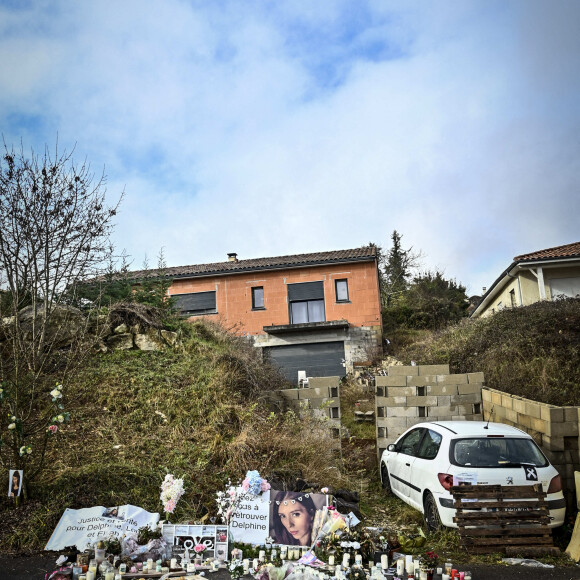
(86, 526)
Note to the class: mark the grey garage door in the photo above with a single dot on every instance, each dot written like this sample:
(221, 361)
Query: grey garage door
(321, 359)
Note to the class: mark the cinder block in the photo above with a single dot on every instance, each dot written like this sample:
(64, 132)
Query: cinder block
(418, 381)
(433, 370)
(407, 371)
(443, 401)
(496, 398)
(553, 443)
(519, 405)
(395, 381)
(511, 415)
(411, 421)
(444, 412)
(475, 378)
(538, 425)
(465, 399)
(396, 424)
(422, 401)
(506, 401)
(396, 402)
(459, 379)
(554, 429)
(464, 409)
(289, 394)
(323, 382)
(441, 389)
(401, 391)
(486, 394)
(552, 413)
(470, 388)
(533, 409)
(525, 421)
(402, 412)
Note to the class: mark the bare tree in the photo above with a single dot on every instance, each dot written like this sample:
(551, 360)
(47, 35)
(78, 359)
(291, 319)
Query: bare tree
(54, 234)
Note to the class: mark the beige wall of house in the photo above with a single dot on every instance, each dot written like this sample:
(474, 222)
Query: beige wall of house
(524, 289)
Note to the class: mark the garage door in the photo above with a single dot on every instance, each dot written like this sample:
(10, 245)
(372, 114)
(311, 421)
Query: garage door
(322, 359)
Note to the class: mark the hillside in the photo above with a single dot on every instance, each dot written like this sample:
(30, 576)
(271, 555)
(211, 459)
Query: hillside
(532, 351)
(197, 411)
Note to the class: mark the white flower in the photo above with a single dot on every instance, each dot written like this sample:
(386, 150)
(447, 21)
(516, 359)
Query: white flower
(12, 426)
(56, 394)
(29, 450)
(13, 418)
(60, 418)
(22, 450)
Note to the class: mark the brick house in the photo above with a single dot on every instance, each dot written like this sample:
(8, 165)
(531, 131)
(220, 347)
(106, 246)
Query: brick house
(317, 312)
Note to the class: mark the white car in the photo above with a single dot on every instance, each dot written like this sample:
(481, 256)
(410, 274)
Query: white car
(421, 465)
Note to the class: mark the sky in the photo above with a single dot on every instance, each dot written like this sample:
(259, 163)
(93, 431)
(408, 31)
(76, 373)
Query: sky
(269, 128)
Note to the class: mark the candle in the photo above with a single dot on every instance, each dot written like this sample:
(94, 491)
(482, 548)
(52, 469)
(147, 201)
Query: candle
(439, 570)
(445, 577)
(246, 565)
(255, 563)
(283, 552)
(467, 575)
(110, 575)
(384, 561)
(150, 565)
(345, 560)
(410, 567)
(273, 554)
(401, 566)
(145, 568)
(423, 575)
(173, 563)
(331, 560)
(461, 575)
(90, 575)
(358, 559)
(448, 567)
(261, 555)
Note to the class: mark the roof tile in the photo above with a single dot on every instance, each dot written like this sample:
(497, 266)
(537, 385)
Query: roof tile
(566, 251)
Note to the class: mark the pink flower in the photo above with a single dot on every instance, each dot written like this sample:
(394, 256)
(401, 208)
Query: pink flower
(264, 486)
(232, 492)
(53, 428)
(170, 506)
(324, 490)
(245, 485)
(199, 548)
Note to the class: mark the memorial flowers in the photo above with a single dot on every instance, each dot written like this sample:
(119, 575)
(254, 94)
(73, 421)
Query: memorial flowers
(254, 484)
(171, 492)
(229, 500)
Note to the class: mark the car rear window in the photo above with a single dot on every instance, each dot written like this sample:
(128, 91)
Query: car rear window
(496, 452)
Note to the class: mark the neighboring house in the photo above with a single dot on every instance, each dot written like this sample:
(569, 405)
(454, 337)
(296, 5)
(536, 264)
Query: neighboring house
(543, 275)
(317, 313)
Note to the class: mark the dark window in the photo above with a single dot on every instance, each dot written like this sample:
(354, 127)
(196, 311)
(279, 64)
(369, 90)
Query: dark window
(341, 288)
(258, 298)
(410, 443)
(306, 302)
(430, 445)
(196, 303)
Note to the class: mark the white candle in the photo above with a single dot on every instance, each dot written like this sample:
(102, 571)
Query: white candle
(109, 575)
(345, 560)
(384, 561)
(90, 575)
(262, 555)
(331, 560)
(150, 564)
(246, 565)
(358, 559)
(173, 563)
(444, 576)
(255, 563)
(401, 566)
(410, 567)
(423, 575)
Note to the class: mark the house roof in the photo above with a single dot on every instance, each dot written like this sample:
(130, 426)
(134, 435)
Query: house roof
(566, 251)
(364, 254)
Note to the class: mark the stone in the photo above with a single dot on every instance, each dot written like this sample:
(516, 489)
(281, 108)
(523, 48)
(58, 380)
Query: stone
(169, 337)
(120, 341)
(121, 329)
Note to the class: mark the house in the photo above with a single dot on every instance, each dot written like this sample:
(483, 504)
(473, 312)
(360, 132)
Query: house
(317, 313)
(543, 275)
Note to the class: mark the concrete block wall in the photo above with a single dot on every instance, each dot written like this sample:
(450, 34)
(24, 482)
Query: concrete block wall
(321, 398)
(555, 429)
(412, 394)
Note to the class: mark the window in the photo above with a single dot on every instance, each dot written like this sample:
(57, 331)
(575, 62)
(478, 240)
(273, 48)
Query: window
(258, 298)
(513, 298)
(410, 443)
(341, 289)
(430, 445)
(306, 302)
(196, 303)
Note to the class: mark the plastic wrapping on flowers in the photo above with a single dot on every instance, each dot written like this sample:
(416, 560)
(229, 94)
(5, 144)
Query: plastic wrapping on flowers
(140, 553)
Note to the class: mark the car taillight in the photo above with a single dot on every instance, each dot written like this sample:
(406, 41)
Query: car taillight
(555, 484)
(446, 480)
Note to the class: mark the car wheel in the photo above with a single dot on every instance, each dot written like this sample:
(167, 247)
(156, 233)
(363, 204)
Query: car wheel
(386, 480)
(432, 518)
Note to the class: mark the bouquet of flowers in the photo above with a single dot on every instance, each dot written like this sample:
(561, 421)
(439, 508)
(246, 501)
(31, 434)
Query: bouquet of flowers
(229, 500)
(254, 484)
(171, 492)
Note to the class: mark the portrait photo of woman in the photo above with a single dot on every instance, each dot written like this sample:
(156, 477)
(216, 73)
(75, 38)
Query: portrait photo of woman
(292, 515)
(15, 483)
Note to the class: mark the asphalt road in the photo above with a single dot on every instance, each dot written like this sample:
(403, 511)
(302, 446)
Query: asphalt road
(35, 567)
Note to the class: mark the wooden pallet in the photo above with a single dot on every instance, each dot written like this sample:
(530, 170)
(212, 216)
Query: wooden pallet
(496, 522)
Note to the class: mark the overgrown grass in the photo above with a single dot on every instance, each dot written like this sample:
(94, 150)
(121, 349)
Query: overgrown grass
(532, 351)
(198, 411)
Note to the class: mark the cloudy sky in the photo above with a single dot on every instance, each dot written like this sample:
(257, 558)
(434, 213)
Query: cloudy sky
(269, 127)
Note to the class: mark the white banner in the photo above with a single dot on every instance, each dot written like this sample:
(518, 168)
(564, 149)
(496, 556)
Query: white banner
(251, 522)
(89, 525)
